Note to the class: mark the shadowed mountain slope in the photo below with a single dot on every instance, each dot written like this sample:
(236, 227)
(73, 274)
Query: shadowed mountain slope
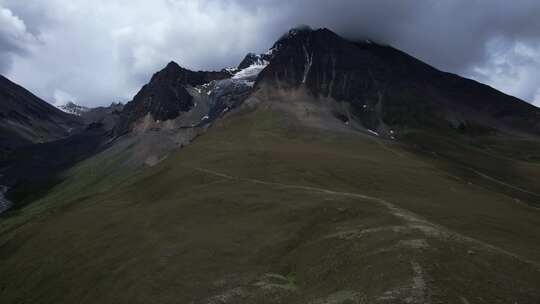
(25, 119)
(165, 96)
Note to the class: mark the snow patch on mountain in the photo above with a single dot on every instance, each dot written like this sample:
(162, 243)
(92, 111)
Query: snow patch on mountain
(248, 75)
(217, 97)
(73, 108)
(231, 70)
(308, 64)
(373, 132)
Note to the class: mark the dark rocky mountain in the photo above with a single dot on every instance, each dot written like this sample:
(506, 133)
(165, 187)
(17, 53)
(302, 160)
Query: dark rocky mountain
(26, 119)
(108, 117)
(165, 96)
(385, 88)
(382, 89)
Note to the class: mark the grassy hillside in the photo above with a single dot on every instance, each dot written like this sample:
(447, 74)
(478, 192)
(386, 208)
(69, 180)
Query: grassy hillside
(263, 210)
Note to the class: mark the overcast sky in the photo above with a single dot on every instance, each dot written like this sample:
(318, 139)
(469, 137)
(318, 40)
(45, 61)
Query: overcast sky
(99, 51)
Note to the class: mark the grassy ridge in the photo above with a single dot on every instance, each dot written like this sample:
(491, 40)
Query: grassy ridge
(257, 230)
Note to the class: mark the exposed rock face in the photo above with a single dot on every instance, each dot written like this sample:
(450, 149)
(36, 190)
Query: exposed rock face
(99, 117)
(166, 96)
(386, 88)
(177, 98)
(378, 87)
(106, 117)
(26, 119)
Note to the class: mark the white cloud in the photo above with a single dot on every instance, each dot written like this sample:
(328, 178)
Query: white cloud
(536, 100)
(14, 37)
(61, 97)
(513, 68)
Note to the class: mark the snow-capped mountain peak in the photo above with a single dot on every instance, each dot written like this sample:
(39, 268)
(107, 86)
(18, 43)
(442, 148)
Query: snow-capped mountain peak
(73, 108)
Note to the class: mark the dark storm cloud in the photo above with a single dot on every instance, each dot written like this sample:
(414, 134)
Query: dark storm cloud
(451, 34)
(493, 41)
(98, 51)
